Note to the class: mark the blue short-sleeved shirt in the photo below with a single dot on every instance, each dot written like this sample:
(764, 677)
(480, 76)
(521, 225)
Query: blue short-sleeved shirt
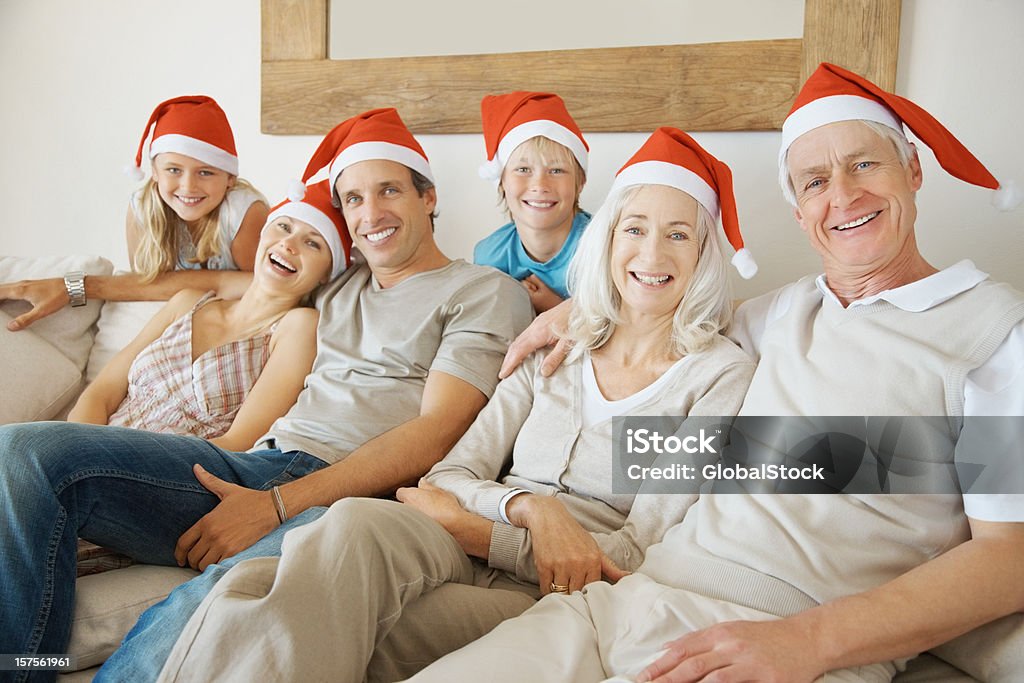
(503, 250)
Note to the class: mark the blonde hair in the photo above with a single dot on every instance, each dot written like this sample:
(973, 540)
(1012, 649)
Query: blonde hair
(549, 152)
(704, 311)
(159, 245)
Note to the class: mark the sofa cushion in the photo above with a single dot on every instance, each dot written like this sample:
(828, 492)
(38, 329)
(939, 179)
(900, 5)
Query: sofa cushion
(926, 668)
(39, 380)
(69, 330)
(107, 605)
(993, 652)
(80, 676)
(119, 323)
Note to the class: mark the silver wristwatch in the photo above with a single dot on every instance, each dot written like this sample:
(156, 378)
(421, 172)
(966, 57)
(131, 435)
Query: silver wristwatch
(75, 283)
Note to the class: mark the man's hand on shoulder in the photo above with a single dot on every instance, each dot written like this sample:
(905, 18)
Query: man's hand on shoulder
(46, 296)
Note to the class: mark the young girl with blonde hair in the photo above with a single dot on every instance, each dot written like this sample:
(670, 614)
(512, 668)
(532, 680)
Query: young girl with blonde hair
(194, 215)
(193, 211)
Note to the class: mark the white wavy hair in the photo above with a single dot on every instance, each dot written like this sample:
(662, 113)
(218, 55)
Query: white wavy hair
(905, 151)
(704, 311)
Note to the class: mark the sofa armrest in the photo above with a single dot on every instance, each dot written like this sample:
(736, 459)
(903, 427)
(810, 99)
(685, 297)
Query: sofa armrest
(39, 380)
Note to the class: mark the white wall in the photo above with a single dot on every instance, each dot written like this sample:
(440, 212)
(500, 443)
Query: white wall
(79, 80)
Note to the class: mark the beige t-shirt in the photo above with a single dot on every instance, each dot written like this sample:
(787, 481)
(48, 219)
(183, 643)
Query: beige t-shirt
(376, 347)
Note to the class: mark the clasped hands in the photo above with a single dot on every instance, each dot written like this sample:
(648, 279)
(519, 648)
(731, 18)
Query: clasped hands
(564, 553)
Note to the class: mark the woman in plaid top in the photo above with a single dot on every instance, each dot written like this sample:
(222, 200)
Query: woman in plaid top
(225, 370)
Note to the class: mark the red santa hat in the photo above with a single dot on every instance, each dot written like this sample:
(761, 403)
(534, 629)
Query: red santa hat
(376, 134)
(671, 157)
(314, 206)
(512, 119)
(193, 125)
(834, 94)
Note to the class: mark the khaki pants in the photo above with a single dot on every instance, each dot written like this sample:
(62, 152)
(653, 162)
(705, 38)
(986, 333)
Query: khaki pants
(604, 633)
(371, 584)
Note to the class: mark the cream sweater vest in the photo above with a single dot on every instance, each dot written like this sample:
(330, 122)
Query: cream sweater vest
(785, 553)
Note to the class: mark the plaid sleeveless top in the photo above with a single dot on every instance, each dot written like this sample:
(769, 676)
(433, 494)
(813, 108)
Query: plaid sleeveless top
(168, 392)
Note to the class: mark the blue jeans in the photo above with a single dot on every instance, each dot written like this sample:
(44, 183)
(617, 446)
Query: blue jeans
(128, 490)
(147, 646)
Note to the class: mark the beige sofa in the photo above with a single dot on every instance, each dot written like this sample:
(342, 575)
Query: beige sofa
(46, 367)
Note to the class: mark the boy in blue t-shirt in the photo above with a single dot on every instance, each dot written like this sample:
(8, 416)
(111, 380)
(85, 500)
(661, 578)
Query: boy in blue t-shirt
(538, 157)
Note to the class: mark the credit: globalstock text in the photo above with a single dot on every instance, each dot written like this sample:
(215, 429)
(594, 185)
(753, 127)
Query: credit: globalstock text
(727, 472)
(860, 455)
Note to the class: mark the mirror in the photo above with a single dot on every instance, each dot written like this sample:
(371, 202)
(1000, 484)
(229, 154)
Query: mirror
(738, 85)
(535, 25)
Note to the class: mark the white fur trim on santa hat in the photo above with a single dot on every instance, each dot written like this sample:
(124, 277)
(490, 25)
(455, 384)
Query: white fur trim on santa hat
(744, 263)
(543, 128)
(366, 151)
(197, 149)
(307, 213)
(833, 109)
(664, 173)
(1008, 196)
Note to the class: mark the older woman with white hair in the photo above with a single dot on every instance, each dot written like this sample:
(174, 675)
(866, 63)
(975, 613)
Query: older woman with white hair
(524, 504)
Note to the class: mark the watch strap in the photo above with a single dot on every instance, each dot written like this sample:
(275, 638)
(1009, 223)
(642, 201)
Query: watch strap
(74, 282)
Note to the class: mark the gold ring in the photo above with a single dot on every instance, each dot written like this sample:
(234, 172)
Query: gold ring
(558, 588)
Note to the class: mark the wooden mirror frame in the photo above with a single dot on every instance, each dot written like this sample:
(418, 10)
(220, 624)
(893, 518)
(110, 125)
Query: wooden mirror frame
(743, 85)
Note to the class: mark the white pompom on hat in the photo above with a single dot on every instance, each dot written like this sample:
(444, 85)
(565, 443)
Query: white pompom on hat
(193, 125)
(671, 157)
(834, 94)
(296, 190)
(511, 119)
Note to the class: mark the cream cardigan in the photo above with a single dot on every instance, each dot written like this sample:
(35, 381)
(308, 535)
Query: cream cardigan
(532, 428)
